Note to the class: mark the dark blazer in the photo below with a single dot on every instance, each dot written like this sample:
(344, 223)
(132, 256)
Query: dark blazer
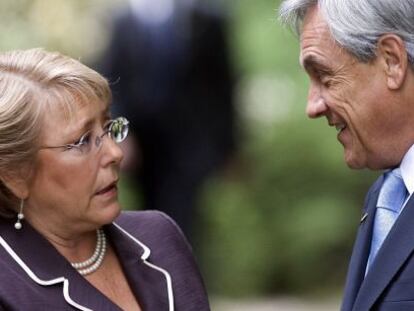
(389, 284)
(153, 252)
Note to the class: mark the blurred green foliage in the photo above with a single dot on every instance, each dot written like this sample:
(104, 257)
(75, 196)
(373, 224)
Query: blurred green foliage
(283, 216)
(78, 28)
(283, 219)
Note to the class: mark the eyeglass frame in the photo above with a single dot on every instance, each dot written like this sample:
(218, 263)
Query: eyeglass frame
(99, 138)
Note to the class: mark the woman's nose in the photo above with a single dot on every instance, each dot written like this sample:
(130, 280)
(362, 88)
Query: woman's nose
(112, 152)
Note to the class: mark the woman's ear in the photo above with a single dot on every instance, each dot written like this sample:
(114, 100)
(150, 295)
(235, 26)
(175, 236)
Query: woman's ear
(17, 184)
(391, 49)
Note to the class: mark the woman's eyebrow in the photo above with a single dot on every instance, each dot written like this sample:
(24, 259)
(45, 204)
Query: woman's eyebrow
(88, 123)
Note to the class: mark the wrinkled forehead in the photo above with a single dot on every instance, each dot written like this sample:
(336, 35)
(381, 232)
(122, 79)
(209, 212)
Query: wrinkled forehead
(315, 37)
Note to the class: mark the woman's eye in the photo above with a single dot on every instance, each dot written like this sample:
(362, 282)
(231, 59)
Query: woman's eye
(82, 143)
(85, 139)
(108, 128)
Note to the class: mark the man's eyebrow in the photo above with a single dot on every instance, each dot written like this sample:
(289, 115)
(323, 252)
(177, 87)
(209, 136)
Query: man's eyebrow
(312, 63)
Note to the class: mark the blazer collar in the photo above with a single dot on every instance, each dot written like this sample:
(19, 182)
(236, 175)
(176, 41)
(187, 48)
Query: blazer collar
(151, 284)
(45, 266)
(360, 253)
(396, 248)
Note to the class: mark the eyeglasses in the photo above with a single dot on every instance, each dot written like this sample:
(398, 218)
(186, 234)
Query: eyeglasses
(116, 129)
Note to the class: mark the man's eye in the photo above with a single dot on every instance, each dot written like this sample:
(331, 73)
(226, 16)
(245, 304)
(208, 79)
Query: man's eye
(326, 83)
(325, 80)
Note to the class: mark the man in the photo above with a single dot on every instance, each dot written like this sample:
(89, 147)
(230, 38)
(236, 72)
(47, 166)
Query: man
(359, 55)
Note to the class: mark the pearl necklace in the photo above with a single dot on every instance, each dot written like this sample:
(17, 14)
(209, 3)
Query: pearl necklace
(92, 264)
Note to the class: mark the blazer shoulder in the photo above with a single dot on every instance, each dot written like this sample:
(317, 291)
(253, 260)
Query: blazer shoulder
(153, 228)
(149, 219)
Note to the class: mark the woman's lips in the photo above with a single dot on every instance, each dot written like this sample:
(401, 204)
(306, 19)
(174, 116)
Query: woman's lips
(111, 187)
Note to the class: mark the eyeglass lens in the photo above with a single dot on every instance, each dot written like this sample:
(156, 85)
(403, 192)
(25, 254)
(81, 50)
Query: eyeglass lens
(117, 130)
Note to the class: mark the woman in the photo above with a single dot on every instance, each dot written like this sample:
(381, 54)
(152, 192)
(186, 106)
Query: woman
(67, 246)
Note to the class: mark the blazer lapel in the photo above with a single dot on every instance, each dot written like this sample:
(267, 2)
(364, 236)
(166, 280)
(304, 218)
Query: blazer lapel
(357, 265)
(86, 294)
(45, 266)
(398, 245)
(148, 284)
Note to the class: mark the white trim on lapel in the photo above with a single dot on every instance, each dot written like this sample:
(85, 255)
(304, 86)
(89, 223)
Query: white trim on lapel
(169, 283)
(65, 281)
(39, 281)
(144, 258)
(147, 251)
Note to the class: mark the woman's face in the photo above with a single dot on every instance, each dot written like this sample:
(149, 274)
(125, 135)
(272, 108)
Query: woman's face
(72, 190)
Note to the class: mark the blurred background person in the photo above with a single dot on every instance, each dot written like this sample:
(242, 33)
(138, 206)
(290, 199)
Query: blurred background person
(168, 61)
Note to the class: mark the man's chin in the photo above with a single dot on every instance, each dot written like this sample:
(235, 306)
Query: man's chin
(365, 163)
(353, 162)
(355, 166)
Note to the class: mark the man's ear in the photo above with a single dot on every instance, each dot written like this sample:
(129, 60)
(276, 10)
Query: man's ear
(391, 49)
(17, 184)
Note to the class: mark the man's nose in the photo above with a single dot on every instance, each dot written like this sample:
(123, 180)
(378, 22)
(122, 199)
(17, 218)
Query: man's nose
(316, 106)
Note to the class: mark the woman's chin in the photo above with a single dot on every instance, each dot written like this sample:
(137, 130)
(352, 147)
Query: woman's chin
(109, 213)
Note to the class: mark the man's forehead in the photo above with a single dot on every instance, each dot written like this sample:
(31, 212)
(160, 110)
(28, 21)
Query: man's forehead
(315, 37)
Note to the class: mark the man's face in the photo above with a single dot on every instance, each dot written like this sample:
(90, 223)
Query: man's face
(352, 95)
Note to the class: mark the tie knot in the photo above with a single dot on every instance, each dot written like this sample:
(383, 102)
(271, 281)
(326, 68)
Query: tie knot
(393, 191)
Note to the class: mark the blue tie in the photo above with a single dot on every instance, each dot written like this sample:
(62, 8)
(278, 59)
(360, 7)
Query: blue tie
(390, 201)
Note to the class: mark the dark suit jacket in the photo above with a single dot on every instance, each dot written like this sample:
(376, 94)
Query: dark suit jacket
(154, 254)
(389, 284)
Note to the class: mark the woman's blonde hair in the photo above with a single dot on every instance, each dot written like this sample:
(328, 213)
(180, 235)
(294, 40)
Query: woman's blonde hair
(32, 82)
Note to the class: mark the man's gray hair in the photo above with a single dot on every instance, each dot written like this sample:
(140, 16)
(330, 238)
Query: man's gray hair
(356, 25)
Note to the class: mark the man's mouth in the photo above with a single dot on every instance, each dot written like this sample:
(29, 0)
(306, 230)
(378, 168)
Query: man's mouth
(340, 127)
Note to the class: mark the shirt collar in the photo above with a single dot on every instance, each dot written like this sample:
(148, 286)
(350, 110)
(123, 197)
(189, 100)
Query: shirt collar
(407, 170)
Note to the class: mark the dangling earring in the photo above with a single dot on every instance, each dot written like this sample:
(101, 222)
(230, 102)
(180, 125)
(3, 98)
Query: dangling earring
(20, 216)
